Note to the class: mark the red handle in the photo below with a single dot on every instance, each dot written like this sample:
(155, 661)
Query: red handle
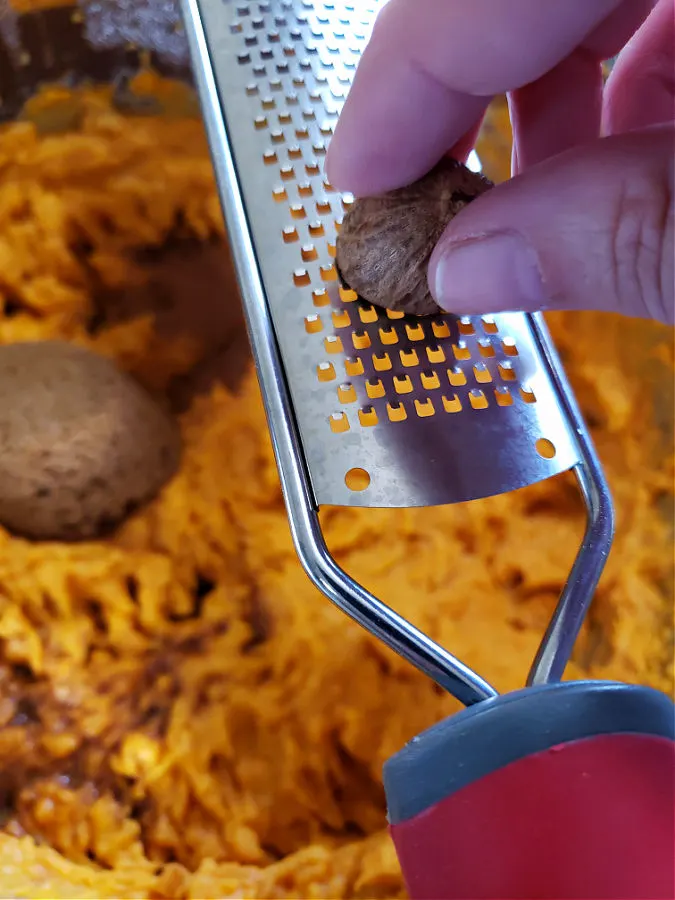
(592, 818)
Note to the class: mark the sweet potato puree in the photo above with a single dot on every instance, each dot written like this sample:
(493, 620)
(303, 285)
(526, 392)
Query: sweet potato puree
(182, 715)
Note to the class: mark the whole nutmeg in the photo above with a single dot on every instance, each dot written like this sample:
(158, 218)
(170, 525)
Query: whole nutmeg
(81, 443)
(385, 242)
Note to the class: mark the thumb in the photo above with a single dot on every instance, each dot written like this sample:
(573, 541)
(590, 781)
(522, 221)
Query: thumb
(591, 228)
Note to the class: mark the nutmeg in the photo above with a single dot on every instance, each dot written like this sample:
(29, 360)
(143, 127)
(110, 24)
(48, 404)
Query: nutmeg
(81, 443)
(385, 242)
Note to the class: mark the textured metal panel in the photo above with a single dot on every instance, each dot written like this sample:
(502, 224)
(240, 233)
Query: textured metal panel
(435, 410)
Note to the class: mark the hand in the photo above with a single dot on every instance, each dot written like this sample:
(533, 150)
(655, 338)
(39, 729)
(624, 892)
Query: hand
(587, 223)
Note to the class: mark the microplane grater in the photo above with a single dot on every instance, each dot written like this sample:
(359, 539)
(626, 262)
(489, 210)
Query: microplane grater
(367, 407)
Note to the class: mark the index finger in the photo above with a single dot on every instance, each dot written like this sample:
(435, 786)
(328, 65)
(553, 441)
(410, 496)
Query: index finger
(430, 70)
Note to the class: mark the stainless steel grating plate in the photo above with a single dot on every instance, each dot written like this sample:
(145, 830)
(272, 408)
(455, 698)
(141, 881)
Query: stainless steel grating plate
(434, 410)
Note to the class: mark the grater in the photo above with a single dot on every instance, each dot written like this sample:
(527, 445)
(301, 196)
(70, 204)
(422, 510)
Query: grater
(568, 786)
(367, 407)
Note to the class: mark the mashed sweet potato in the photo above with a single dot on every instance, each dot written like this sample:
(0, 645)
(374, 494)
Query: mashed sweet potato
(182, 715)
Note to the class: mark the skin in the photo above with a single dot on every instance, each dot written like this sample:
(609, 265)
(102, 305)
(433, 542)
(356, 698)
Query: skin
(587, 220)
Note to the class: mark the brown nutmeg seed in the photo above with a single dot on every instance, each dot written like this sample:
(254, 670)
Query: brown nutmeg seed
(81, 443)
(385, 242)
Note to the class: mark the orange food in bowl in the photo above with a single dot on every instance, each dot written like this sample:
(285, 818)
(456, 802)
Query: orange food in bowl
(182, 715)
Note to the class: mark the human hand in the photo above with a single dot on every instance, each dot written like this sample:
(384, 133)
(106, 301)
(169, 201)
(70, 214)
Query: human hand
(588, 221)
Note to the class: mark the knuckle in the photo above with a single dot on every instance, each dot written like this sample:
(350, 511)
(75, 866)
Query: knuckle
(642, 247)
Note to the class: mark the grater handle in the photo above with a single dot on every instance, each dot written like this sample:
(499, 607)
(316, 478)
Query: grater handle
(566, 793)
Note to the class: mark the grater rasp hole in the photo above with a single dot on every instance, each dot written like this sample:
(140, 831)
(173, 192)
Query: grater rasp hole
(368, 416)
(347, 295)
(333, 344)
(375, 388)
(481, 373)
(368, 314)
(456, 377)
(430, 380)
(435, 354)
(339, 423)
(396, 411)
(381, 362)
(313, 324)
(361, 340)
(503, 396)
(325, 371)
(388, 335)
(354, 365)
(509, 346)
(545, 448)
(477, 399)
(425, 408)
(414, 332)
(403, 384)
(452, 403)
(346, 393)
(340, 318)
(357, 479)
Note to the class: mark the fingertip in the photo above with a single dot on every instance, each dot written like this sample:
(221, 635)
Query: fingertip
(397, 122)
(352, 165)
(641, 88)
(336, 167)
(489, 273)
(549, 238)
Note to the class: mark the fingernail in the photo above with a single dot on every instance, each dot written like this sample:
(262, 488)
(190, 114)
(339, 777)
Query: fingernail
(493, 273)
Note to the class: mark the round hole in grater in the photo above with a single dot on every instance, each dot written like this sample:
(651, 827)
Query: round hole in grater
(545, 448)
(357, 480)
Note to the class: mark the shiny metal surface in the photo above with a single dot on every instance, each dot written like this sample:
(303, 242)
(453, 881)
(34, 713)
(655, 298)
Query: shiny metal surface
(435, 411)
(556, 646)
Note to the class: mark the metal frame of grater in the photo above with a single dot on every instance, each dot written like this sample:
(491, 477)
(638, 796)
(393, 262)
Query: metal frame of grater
(438, 410)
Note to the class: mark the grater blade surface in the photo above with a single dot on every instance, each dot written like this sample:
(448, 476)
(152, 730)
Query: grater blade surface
(436, 410)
